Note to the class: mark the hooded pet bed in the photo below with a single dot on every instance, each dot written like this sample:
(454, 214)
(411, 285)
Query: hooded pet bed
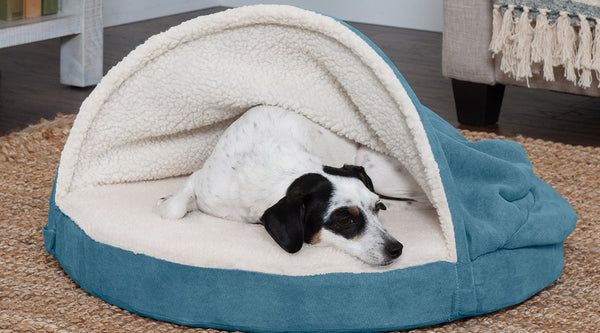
(494, 237)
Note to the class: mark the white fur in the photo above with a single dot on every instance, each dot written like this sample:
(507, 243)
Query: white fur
(369, 247)
(255, 161)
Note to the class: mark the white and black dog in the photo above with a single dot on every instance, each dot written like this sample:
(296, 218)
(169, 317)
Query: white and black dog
(270, 167)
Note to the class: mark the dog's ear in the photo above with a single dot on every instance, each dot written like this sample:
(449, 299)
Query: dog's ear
(360, 173)
(284, 221)
(292, 220)
(355, 171)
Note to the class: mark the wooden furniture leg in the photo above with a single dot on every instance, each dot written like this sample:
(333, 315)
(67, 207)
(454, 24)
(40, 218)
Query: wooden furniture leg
(476, 103)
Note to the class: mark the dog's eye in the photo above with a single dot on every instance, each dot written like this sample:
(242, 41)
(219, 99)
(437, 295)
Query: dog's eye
(379, 206)
(346, 222)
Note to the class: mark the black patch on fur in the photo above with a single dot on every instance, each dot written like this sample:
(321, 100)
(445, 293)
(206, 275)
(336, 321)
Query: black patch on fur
(380, 206)
(359, 172)
(351, 171)
(409, 200)
(347, 222)
(298, 216)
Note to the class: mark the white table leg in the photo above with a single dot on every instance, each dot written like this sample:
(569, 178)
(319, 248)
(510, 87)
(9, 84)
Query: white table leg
(81, 55)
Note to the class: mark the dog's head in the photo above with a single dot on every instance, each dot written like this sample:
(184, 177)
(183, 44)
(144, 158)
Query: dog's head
(337, 208)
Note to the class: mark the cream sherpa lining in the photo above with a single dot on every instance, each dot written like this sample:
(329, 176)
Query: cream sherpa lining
(122, 215)
(159, 112)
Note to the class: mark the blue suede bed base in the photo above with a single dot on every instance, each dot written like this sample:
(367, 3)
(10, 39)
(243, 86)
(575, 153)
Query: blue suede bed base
(251, 301)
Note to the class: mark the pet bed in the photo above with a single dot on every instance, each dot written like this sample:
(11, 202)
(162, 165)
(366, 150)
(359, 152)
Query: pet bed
(493, 238)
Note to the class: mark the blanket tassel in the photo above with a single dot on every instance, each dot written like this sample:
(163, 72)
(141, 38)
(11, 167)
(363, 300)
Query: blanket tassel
(496, 43)
(508, 63)
(542, 47)
(566, 49)
(524, 38)
(583, 60)
(596, 51)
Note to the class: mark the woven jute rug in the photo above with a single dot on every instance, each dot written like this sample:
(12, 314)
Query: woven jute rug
(36, 295)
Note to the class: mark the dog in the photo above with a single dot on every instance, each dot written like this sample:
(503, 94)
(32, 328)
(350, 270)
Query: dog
(272, 167)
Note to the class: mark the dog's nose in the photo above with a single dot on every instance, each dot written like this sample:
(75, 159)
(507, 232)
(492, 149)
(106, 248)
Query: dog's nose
(393, 248)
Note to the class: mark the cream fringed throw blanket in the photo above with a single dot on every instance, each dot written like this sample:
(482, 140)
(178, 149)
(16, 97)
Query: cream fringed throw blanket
(535, 36)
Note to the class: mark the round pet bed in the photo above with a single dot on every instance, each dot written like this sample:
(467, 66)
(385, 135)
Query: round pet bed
(493, 238)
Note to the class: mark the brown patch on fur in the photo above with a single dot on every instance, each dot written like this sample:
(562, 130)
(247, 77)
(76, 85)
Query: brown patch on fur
(354, 211)
(316, 239)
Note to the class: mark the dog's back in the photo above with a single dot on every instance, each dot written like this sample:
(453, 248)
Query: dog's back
(259, 156)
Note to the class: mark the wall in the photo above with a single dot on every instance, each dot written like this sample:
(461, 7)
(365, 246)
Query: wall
(115, 12)
(414, 14)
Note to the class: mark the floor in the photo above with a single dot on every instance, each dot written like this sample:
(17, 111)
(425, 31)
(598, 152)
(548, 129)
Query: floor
(30, 88)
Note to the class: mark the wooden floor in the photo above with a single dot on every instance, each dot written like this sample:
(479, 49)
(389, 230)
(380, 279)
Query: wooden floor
(30, 88)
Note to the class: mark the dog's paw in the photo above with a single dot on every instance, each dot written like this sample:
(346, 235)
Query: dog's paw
(170, 208)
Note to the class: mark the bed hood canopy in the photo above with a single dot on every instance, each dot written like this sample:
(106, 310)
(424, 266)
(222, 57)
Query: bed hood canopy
(159, 112)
